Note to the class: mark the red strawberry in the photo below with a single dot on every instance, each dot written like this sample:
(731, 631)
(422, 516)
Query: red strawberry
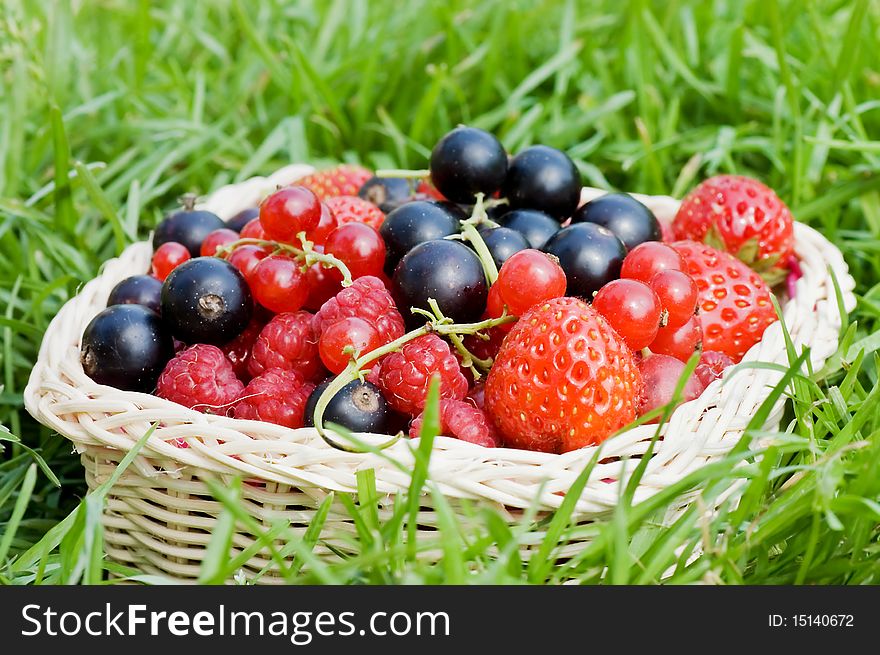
(563, 379)
(734, 302)
(351, 209)
(741, 216)
(343, 180)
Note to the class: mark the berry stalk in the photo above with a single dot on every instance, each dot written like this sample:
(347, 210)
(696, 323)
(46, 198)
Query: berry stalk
(470, 233)
(403, 173)
(307, 254)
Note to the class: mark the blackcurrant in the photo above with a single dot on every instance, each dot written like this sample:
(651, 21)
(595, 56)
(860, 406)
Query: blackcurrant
(630, 220)
(590, 255)
(503, 242)
(126, 346)
(138, 290)
(536, 226)
(188, 226)
(206, 300)
(358, 406)
(467, 161)
(543, 178)
(414, 223)
(242, 218)
(387, 193)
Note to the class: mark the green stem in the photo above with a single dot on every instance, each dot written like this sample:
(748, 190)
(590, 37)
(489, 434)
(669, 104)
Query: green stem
(469, 232)
(403, 173)
(306, 253)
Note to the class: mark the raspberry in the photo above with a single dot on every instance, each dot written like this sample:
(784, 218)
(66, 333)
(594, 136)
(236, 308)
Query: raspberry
(405, 376)
(368, 299)
(238, 351)
(275, 396)
(463, 421)
(201, 378)
(288, 342)
(351, 209)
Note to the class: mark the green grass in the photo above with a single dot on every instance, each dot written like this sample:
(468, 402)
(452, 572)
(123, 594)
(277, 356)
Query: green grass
(112, 109)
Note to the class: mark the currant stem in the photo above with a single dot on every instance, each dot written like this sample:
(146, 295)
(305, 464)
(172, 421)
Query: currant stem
(306, 253)
(470, 233)
(403, 173)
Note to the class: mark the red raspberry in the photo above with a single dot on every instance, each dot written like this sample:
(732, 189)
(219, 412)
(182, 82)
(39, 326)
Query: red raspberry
(288, 342)
(275, 396)
(405, 376)
(201, 378)
(463, 421)
(351, 209)
(238, 351)
(368, 299)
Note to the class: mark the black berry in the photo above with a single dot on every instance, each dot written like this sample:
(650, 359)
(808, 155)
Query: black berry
(536, 226)
(188, 227)
(242, 218)
(126, 346)
(414, 223)
(138, 290)
(543, 178)
(590, 255)
(447, 271)
(358, 406)
(630, 220)
(206, 300)
(502, 243)
(468, 161)
(387, 193)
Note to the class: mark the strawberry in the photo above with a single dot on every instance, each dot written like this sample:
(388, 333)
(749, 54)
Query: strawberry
(351, 209)
(743, 217)
(343, 180)
(563, 379)
(734, 302)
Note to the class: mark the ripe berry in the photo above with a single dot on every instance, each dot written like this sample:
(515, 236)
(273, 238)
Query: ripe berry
(279, 284)
(167, 257)
(680, 342)
(447, 271)
(590, 255)
(405, 376)
(626, 217)
(358, 406)
(543, 178)
(342, 180)
(253, 230)
(216, 239)
(354, 333)
(206, 300)
(712, 365)
(289, 211)
(143, 290)
(352, 209)
(126, 346)
(288, 341)
(463, 421)
(648, 259)
(242, 218)
(326, 225)
(527, 278)
(188, 227)
(677, 292)
(200, 378)
(359, 247)
(633, 310)
(415, 223)
(503, 242)
(562, 380)
(245, 258)
(467, 161)
(323, 284)
(276, 396)
(238, 351)
(661, 375)
(387, 193)
(368, 299)
(536, 226)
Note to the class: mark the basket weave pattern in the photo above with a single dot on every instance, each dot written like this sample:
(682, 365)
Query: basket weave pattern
(160, 514)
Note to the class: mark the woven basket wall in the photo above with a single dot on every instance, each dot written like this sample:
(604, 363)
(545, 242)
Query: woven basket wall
(160, 515)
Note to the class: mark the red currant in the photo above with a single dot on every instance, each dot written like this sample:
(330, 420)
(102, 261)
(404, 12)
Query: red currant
(359, 247)
(253, 230)
(494, 303)
(246, 258)
(279, 284)
(215, 239)
(289, 211)
(167, 257)
(647, 259)
(527, 278)
(327, 224)
(351, 332)
(680, 342)
(324, 283)
(678, 296)
(633, 310)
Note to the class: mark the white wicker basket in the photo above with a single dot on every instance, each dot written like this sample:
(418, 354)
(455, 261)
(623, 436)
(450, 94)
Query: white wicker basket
(160, 514)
